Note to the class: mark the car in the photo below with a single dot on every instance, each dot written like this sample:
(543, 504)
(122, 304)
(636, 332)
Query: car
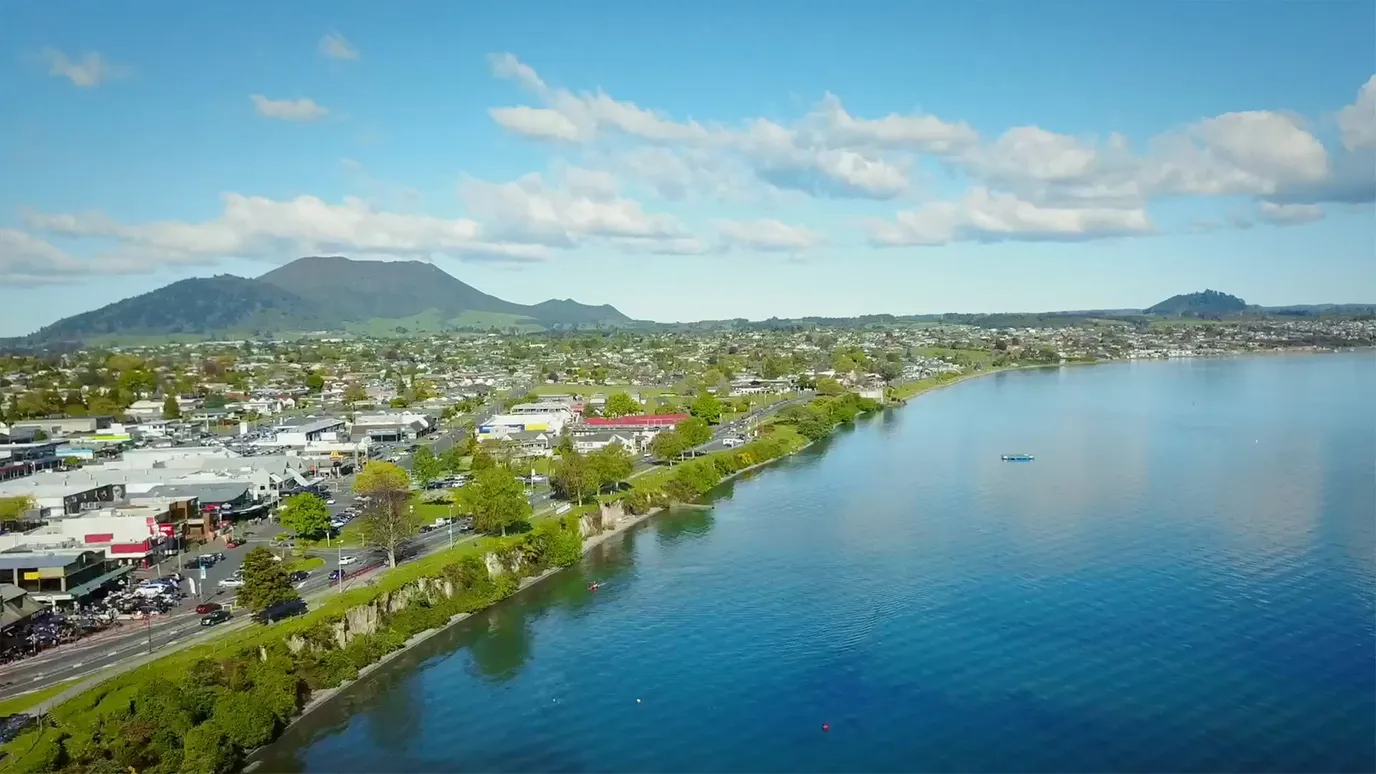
(279, 611)
(330, 501)
(206, 608)
(216, 617)
(344, 561)
(336, 575)
(298, 576)
(231, 583)
(233, 543)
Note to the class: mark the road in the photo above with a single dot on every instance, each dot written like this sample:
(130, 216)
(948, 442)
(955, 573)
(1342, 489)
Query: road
(132, 640)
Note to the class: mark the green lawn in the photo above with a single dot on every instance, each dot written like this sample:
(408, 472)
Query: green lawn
(973, 355)
(16, 704)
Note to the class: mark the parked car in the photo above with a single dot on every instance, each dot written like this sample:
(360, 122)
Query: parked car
(207, 607)
(216, 617)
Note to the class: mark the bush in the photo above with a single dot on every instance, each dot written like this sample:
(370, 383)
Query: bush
(208, 750)
(246, 721)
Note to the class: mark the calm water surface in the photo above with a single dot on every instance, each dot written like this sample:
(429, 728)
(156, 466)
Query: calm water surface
(1184, 580)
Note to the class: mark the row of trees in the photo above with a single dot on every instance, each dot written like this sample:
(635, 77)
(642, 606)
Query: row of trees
(579, 476)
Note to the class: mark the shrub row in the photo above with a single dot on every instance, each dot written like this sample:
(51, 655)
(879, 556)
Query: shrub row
(202, 715)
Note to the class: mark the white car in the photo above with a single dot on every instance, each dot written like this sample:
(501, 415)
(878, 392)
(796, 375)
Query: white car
(730, 442)
(330, 501)
(231, 583)
(347, 560)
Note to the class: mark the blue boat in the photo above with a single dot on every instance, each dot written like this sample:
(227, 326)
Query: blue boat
(1017, 458)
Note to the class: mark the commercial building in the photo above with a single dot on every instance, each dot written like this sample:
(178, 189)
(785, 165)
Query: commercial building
(15, 606)
(25, 459)
(391, 427)
(637, 422)
(314, 429)
(58, 577)
(501, 425)
(63, 426)
(136, 533)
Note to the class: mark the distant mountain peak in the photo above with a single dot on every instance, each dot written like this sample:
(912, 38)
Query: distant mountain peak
(1206, 303)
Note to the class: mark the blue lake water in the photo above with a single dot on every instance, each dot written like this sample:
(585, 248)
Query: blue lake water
(1183, 580)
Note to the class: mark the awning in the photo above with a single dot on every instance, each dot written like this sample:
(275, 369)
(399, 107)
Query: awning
(76, 592)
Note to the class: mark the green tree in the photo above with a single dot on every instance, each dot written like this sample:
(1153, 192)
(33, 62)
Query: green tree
(565, 444)
(171, 409)
(386, 522)
(425, 466)
(306, 515)
(610, 464)
(482, 460)
(496, 499)
(694, 431)
(574, 478)
(829, 386)
(452, 459)
(621, 404)
(208, 750)
(11, 508)
(354, 393)
(590, 411)
(315, 382)
(265, 582)
(706, 407)
(668, 445)
(246, 720)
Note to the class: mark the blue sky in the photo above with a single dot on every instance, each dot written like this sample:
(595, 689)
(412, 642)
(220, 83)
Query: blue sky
(703, 161)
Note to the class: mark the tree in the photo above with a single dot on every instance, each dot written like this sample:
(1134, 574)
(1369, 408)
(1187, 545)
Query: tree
(667, 445)
(621, 404)
(171, 409)
(706, 407)
(482, 460)
(452, 459)
(354, 393)
(386, 522)
(610, 464)
(11, 508)
(829, 386)
(890, 371)
(565, 444)
(265, 582)
(496, 499)
(306, 515)
(425, 466)
(590, 411)
(694, 431)
(574, 478)
(315, 382)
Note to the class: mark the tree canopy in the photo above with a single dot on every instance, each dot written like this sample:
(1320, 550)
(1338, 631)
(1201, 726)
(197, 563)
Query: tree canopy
(496, 499)
(694, 431)
(306, 515)
(265, 582)
(425, 466)
(171, 409)
(706, 407)
(380, 476)
(574, 478)
(667, 445)
(621, 404)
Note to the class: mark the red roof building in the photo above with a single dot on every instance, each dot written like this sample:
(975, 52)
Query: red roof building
(638, 421)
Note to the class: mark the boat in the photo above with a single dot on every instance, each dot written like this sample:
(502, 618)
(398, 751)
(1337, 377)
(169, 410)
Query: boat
(1017, 458)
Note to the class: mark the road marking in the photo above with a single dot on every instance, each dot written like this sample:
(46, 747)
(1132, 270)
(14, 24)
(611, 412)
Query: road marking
(36, 678)
(77, 664)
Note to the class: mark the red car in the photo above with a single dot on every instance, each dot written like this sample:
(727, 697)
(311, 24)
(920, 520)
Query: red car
(232, 543)
(207, 607)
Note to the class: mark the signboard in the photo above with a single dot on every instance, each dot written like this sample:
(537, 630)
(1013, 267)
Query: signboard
(167, 530)
(202, 572)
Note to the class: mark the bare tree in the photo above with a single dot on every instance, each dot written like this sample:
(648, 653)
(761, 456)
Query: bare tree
(387, 522)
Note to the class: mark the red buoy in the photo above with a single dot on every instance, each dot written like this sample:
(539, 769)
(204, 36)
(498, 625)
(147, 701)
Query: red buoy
(826, 726)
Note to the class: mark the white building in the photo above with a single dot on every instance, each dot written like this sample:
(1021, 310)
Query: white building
(501, 425)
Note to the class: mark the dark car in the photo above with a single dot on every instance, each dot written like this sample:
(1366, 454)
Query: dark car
(279, 611)
(207, 607)
(216, 617)
(336, 575)
(298, 576)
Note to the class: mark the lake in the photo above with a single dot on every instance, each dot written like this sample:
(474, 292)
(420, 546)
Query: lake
(1184, 579)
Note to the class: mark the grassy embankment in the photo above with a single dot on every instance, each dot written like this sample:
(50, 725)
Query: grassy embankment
(200, 709)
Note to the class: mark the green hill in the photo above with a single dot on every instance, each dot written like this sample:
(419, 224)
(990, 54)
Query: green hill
(1208, 304)
(314, 294)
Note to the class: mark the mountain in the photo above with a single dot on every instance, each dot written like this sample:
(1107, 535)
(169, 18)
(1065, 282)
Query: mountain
(197, 306)
(1210, 303)
(319, 293)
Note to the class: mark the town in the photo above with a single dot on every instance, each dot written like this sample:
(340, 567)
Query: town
(136, 482)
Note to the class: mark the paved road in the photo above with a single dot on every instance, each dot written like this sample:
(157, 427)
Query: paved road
(134, 640)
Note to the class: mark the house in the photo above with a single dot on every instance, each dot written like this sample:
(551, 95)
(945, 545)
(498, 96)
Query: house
(592, 441)
(532, 443)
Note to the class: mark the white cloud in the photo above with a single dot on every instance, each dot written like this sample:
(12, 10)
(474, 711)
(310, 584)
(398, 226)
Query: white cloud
(91, 70)
(527, 210)
(267, 229)
(987, 216)
(302, 109)
(1289, 214)
(536, 123)
(1358, 120)
(336, 46)
(923, 133)
(767, 235)
(26, 260)
(593, 183)
(508, 67)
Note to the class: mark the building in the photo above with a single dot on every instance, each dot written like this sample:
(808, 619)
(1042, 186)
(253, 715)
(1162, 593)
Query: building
(502, 425)
(564, 408)
(599, 439)
(55, 496)
(315, 429)
(15, 606)
(391, 427)
(25, 459)
(58, 577)
(636, 422)
(57, 427)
